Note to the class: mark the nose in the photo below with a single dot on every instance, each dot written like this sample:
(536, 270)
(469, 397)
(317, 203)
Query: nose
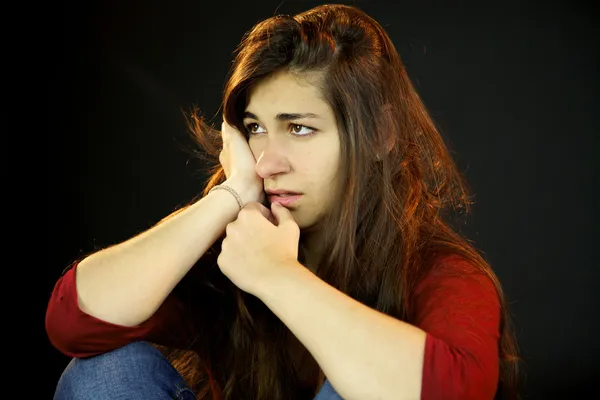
(272, 160)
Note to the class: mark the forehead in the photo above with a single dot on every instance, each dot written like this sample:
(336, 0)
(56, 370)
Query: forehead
(286, 92)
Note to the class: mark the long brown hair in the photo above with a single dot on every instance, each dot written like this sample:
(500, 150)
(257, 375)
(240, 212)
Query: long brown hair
(400, 188)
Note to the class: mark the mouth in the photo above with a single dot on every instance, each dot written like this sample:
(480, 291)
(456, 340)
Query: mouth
(283, 198)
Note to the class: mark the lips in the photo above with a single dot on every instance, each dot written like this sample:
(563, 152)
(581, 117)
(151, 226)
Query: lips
(271, 192)
(283, 197)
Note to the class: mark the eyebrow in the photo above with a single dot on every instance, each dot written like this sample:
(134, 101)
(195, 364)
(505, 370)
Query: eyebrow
(284, 116)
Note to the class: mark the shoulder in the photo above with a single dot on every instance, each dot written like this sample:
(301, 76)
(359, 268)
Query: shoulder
(456, 269)
(453, 265)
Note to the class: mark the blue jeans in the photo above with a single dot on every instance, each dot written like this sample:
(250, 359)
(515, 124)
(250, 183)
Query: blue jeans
(137, 371)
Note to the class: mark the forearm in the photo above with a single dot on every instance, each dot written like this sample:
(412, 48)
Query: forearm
(126, 283)
(364, 353)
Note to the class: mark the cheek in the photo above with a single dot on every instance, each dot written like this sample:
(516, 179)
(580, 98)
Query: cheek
(321, 168)
(321, 177)
(331, 167)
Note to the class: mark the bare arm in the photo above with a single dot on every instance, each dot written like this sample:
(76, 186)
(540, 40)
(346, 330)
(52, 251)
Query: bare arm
(364, 353)
(449, 352)
(126, 283)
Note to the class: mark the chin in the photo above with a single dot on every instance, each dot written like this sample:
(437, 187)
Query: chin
(301, 220)
(305, 224)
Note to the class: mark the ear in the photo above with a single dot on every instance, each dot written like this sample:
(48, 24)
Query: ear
(388, 141)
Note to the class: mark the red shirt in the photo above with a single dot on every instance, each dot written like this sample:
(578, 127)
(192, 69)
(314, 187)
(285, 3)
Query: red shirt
(456, 305)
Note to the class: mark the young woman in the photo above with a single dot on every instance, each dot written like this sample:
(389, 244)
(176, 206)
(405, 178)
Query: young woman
(317, 263)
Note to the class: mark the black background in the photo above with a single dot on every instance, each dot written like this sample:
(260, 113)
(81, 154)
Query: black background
(513, 87)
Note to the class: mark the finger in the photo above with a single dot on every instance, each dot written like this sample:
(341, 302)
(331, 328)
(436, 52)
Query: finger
(263, 210)
(227, 131)
(282, 215)
(223, 131)
(228, 229)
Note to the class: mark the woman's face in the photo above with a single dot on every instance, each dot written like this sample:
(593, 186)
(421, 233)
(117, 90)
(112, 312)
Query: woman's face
(294, 138)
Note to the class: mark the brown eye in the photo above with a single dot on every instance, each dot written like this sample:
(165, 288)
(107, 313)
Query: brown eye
(253, 128)
(301, 130)
(297, 128)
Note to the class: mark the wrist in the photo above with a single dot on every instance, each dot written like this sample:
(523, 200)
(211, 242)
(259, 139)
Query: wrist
(225, 198)
(232, 193)
(247, 193)
(282, 279)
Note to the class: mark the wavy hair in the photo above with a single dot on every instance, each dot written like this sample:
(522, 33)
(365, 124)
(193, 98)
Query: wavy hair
(400, 184)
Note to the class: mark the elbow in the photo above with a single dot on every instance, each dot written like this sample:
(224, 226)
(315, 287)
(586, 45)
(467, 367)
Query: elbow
(476, 383)
(454, 374)
(70, 341)
(64, 328)
(60, 335)
(64, 322)
(464, 383)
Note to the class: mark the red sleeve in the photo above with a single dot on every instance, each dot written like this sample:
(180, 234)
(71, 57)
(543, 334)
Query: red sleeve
(77, 334)
(459, 309)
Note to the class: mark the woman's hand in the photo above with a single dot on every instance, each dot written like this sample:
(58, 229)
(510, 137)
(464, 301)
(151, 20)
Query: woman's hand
(239, 165)
(258, 245)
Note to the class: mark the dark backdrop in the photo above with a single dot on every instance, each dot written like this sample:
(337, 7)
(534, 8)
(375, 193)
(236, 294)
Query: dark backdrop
(513, 87)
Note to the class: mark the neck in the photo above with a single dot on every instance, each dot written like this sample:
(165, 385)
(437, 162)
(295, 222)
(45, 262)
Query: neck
(312, 249)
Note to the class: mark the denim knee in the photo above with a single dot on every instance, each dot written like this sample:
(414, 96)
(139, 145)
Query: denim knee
(327, 392)
(135, 371)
